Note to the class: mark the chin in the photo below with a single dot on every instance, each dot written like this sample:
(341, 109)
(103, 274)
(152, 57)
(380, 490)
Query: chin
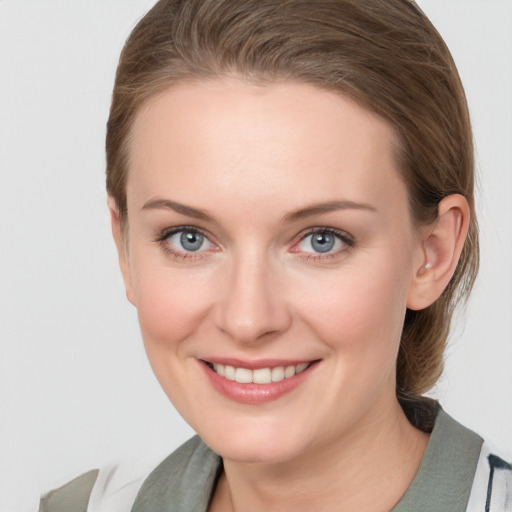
(255, 452)
(256, 444)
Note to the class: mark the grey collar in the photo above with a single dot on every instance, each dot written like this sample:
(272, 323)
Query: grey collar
(445, 476)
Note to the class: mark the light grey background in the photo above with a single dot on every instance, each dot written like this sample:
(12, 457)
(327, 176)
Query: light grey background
(76, 391)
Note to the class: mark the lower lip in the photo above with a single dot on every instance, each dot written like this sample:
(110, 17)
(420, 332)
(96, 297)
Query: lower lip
(255, 393)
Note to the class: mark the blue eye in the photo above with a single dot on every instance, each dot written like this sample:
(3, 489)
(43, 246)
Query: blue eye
(322, 242)
(188, 240)
(191, 241)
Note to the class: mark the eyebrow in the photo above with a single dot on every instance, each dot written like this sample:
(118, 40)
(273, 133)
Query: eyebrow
(158, 204)
(301, 214)
(321, 208)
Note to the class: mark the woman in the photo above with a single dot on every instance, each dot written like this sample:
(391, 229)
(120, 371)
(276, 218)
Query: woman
(291, 194)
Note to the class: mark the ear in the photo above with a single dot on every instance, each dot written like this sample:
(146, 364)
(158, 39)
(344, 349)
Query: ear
(442, 244)
(122, 248)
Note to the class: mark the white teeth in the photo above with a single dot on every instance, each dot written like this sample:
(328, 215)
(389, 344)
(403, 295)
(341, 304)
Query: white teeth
(243, 375)
(229, 372)
(301, 367)
(277, 374)
(289, 371)
(259, 376)
(262, 376)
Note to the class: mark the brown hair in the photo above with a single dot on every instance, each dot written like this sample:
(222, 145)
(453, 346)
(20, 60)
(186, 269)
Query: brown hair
(385, 54)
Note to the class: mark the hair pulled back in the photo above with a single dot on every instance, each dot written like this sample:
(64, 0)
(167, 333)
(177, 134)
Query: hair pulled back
(384, 54)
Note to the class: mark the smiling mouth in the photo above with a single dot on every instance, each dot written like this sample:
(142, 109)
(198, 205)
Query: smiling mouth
(260, 375)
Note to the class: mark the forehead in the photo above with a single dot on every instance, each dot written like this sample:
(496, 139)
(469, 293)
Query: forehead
(233, 136)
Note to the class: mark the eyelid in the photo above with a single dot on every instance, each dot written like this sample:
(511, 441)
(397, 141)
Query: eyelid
(345, 237)
(167, 232)
(162, 236)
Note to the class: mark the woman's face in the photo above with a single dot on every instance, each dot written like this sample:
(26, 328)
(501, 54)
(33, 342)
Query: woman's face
(268, 231)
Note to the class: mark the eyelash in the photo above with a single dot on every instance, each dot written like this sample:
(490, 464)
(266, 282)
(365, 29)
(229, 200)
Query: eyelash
(347, 240)
(161, 239)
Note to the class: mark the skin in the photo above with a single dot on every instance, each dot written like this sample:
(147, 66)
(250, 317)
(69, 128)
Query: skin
(249, 156)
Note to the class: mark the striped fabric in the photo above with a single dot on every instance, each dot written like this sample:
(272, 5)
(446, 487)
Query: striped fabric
(492, 486)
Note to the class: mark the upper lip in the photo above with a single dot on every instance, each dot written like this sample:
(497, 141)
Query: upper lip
(255, 364)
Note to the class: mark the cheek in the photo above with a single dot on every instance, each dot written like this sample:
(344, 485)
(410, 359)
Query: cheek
(359, 310)
(170, 305)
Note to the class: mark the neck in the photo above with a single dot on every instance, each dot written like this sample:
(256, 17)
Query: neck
(367, 469)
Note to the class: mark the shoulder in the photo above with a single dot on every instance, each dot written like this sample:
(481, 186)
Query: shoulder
(184, 481)
(492, 485)
(94, 491)
(468, 462)
(73, 497)
(458, 472)
(108, 490)
(487, 475)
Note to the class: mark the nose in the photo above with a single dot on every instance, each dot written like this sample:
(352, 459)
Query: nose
(253, 305)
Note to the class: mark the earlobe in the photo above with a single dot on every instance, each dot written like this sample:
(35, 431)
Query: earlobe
(442, 245)
(122, 249)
